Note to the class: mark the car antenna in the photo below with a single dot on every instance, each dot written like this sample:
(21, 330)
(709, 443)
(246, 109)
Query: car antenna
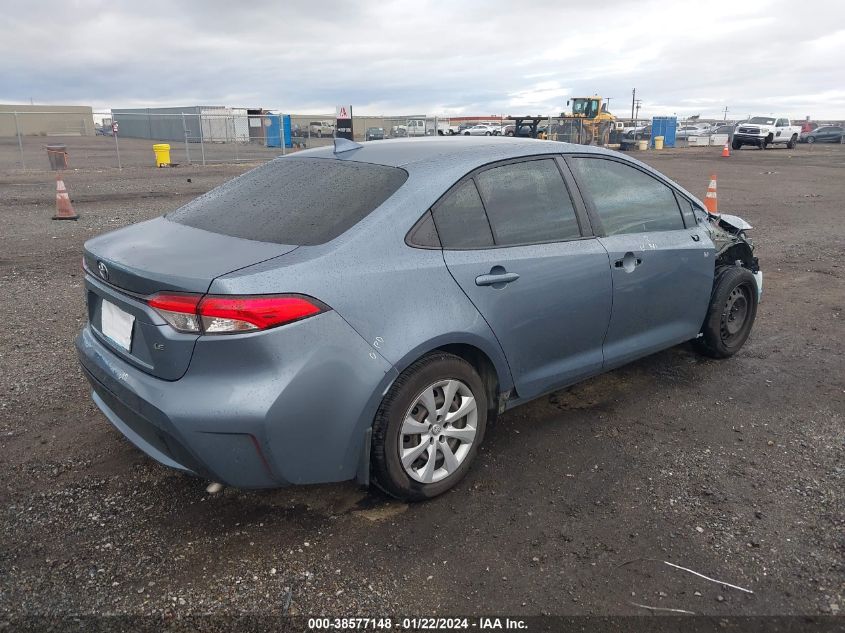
(345, 145)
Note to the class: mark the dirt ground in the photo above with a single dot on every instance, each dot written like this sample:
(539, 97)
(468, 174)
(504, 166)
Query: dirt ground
(731, 468)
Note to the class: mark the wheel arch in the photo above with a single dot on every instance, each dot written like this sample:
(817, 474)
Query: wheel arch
(740, 251)
(485, 357)
(486, 370)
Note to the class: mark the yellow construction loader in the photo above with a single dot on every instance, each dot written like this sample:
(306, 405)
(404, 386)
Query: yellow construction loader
(589, 122)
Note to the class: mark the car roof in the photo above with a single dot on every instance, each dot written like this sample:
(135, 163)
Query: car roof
(463, 152)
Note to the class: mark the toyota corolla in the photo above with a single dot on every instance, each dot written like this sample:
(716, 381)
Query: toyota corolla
(366, 311)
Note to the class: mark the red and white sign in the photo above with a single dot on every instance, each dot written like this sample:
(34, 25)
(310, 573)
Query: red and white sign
(114, 128)
(343, 123)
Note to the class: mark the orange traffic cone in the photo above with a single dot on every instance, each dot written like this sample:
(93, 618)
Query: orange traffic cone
(710, 201)
(726, 153)
(64, 209)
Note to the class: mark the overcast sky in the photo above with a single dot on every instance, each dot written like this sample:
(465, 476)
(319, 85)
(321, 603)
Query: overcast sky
(422, 56)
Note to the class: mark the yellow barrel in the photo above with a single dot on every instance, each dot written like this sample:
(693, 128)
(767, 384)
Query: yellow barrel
(642, 145)
(162, 152)
(658, 142)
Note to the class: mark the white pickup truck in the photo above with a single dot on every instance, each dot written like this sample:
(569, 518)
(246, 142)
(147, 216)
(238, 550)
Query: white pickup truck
(764, 131)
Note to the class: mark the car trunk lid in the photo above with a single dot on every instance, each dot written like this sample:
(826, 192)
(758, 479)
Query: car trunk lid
(124, 268)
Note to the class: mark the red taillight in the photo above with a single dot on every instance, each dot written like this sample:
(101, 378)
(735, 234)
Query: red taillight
(175, 302)
(225, 314)
(230, 314)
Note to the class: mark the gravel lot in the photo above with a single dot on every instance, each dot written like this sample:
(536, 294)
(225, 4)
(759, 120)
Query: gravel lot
(733, 469)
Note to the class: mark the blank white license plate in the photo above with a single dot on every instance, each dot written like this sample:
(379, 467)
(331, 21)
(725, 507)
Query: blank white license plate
(117, 324)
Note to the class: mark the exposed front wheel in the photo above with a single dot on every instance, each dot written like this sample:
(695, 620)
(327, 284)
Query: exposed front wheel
(811, 139)
(731, 314)
(792, 142)
(428, 428)
(736, 144)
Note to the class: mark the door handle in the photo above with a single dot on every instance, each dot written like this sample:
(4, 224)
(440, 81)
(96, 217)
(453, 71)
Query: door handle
(628, 263)
(497, 278)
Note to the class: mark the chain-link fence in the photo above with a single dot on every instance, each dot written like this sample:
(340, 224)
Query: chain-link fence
(126, 138)
(212, 135)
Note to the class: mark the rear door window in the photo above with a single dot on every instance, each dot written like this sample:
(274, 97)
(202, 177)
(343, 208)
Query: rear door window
(528, 203)
(626, 199)
(303, 201)
(460, 219)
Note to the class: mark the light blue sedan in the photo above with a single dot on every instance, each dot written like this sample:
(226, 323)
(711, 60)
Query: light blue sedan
(366, 311)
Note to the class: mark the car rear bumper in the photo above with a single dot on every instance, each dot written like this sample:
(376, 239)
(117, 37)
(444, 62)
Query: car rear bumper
(284, 406)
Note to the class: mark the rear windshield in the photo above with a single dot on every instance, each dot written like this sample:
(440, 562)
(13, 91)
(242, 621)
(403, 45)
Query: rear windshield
(302, 201)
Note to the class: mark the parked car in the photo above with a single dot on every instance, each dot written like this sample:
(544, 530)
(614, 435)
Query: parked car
(721, 133)
(524, 130)
(374, 134)
(321, 128)
(271, 332)
(685, 131)
(723, 129)
(633, 136)
(823, 134)
(765, 131)
(483, 129)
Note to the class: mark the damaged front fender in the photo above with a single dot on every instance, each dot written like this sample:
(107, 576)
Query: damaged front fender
(733, 246)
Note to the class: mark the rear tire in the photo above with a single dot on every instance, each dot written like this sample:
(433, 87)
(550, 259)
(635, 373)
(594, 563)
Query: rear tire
(792, 142)
(731, 313)
(438, 447)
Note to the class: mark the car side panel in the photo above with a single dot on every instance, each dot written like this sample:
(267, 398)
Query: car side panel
(661, 301)
(552, 320)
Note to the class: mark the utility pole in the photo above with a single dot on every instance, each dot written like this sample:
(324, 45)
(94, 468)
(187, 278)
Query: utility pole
(638, 103)
(633, 101)
(725, 117)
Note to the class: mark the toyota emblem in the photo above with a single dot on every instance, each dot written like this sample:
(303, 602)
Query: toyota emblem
(104, 271)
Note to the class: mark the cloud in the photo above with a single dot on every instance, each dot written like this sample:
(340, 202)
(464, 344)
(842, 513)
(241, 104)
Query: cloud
(428, 56)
